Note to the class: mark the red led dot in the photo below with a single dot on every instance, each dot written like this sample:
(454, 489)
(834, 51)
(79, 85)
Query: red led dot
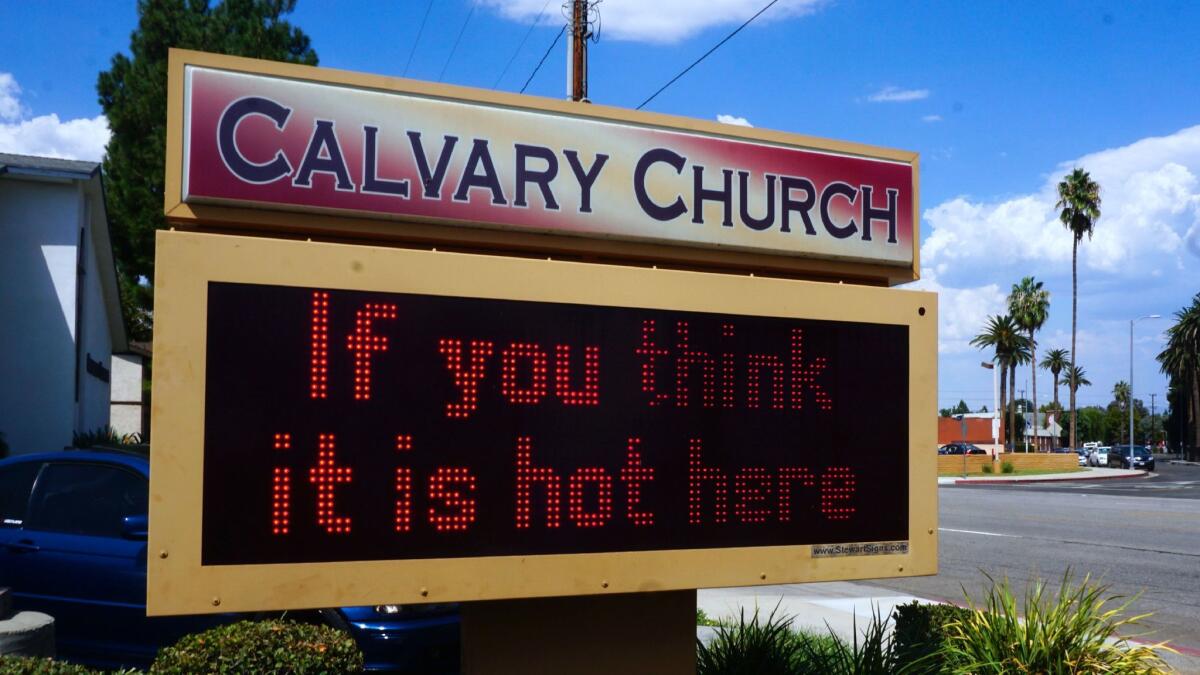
(325, 476)
(466, 379)
(318, 387)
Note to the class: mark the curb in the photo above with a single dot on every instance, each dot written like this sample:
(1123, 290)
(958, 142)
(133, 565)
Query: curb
(1001, 481)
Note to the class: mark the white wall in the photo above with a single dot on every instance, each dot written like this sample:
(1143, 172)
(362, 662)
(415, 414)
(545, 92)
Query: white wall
(39, 235)
(126, 415)
(93, 411)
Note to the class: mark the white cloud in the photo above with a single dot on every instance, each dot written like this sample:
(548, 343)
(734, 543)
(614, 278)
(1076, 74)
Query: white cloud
(1150, 216)
(736, 121)
(47, 135)
(962, 312)
(931, 118)
(10, 98)
(892, 94)
(661, 21)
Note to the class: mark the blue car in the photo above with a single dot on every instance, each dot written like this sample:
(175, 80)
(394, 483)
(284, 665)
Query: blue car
(73, 545)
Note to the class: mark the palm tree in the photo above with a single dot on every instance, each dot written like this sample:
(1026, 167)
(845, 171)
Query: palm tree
(1019, 356)
(1029, 303)
(1181, 360)
(1121, 396)
(1056, 361)
(1076, 378)
(1003, 335)
(1079, 201)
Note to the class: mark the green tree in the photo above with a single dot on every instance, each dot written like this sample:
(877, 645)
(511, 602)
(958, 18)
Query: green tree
(1091, 424)
(1056, 361)
(133, 95)
(1003, 336)
(1120, 392)
(1029, 305)
(1079, 204)
(1181, 360)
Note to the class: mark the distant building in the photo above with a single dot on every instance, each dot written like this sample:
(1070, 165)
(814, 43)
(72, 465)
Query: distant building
(974, 428)
(1042, 437)
(60, 310)
(130, 415)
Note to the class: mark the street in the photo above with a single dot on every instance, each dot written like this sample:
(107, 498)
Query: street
(1139, 535)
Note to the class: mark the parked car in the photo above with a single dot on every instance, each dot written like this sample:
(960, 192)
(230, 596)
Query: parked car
(73, 545)
(1083, 455)
(1099, 456)
(1119, 458)
(961, 449)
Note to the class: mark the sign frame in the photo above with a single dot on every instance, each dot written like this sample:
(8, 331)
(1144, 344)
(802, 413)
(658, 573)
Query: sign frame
(177, 583)
(463, 236)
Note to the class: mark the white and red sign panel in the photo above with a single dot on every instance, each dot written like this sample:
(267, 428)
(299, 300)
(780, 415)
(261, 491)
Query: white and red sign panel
(274, 142)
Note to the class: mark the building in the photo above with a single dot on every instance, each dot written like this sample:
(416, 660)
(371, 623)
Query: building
(974, 428)
(1045, 437)
(60, 310)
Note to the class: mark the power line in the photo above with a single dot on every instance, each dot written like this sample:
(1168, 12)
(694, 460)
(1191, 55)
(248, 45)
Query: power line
(418, 40)
(456, 41)
(522, 44)
(715, 47)
(539, 65)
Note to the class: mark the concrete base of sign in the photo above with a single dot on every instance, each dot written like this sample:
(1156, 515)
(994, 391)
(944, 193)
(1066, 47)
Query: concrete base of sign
(630, 634)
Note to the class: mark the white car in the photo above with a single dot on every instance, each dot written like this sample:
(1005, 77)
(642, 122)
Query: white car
(1099, 456)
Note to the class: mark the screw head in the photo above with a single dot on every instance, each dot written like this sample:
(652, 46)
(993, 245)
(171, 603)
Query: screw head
(424, 592)
(603, 584)
(163, 554)
(216, 602)
(763, 576)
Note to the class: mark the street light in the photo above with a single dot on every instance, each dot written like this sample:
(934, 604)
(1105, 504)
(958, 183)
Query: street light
(995, 404)
(1130, 402)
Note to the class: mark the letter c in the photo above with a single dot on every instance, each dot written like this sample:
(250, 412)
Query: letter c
(237, 163)
(639, 184)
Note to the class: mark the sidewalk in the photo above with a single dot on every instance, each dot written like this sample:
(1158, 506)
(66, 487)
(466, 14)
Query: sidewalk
(1093, 473)
(835, 605)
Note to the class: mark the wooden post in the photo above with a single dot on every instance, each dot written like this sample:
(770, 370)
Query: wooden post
(627, 634)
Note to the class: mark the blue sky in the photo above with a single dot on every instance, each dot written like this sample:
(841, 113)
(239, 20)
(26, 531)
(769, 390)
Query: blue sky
(1000, 100)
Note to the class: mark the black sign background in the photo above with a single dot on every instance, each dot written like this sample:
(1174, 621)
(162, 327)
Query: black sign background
(258, 359)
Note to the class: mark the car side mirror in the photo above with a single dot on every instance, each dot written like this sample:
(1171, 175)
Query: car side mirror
(135, 527)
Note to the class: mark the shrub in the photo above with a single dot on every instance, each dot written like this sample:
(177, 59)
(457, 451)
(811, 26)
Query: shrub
(262, 647)
(703, 619)
(1073, 632)
(1007, 467)
(771, 647)
(29, 665)
(987, 468)
(920, 631)
(751, 647)
(872, 652)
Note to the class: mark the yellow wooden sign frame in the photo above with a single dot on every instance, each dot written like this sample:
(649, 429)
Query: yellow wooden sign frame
(186, 263)
(415, 231)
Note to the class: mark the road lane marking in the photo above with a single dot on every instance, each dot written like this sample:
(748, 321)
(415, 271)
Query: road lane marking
(986, 534)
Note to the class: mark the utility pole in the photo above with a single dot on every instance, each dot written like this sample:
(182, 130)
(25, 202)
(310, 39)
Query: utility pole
(579, 37)
(1152, 422)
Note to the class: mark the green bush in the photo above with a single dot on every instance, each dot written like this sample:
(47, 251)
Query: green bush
(703, 619)
(771, 647)
(920, 631)
(987, 468)
(750, 647)
(29, 665)
(1074, 632)
(262, 647)
(1007, 467)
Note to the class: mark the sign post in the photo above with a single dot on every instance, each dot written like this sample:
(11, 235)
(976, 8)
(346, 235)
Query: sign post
(568, 448)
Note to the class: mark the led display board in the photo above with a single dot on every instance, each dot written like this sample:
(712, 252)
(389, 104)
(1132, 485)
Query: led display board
(254, 143)
(341, 425)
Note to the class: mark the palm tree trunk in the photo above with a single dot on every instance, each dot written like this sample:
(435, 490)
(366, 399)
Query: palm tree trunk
(1012, 413)
(1195, 412)
(1033, 381)
(1003, 400)
(1074, 318)
(1056, 391)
